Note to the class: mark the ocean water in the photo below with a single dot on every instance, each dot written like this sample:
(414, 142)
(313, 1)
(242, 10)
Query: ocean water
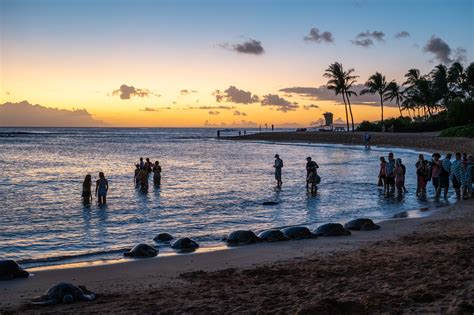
(209, 188)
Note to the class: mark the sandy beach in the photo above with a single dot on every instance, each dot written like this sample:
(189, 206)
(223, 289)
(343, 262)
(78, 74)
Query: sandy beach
(429, 141)
(409, 265)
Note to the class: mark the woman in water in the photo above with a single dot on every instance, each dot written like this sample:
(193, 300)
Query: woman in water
(87, 189)
(101, 188)
(136, 178)
(383, 175)
(399, 177)
(157, 174)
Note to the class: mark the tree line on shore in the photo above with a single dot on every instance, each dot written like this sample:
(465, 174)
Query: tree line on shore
(423, 98)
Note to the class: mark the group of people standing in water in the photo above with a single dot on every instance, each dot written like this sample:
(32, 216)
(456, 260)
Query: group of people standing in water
(142, 174)
(391, 176)
(312, 177)
(441, 173)
(143, 171)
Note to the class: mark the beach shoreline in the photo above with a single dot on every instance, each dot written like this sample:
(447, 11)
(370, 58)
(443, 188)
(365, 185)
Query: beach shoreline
(426, 141)
(153, 285)
(119, 284)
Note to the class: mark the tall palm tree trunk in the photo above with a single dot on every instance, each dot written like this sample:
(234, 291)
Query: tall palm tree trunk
(347, 116)
(350, 111)
(381, 106)
(399, 108)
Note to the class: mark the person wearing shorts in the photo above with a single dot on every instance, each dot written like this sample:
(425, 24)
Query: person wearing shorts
(444, 174)
(389, 168)
(101, 188)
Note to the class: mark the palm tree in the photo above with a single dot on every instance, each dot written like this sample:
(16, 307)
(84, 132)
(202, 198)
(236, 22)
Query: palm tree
(470, 79)
(439, 82)
(349, 81)
(335, 74)
(394, 92)
(376, 84)
(341, 82)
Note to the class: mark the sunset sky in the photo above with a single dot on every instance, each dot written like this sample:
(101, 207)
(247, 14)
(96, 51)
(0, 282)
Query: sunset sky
(205, 63)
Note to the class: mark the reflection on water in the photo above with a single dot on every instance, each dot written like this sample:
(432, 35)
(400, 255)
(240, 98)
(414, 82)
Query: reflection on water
(209, 188)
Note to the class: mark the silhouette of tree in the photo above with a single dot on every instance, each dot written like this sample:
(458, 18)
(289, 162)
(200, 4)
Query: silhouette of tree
(377, 84)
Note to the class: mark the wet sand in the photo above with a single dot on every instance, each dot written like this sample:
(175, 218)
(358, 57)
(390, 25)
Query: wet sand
(419, 265)
(429, 141)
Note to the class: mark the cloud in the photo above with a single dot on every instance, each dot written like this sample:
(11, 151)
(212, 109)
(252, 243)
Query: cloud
(316, 36)
(439, 48)
(459, 55)
(151, 109)
(239, 113)
(365, 39)
(322, 93)
(185, 92)
(239, 124)
(7, 93)
(214, 113)
(308, 107)
(280, 103)
(126, 92)
(252, 47)
(402, 34)
(212, 107)
(234, 95)
(25, 114)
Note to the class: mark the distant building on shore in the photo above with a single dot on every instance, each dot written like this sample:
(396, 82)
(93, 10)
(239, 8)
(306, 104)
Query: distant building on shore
(328, 117)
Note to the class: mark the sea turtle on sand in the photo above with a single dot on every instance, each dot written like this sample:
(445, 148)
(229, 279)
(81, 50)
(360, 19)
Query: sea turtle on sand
(163, 237)
(331, 229)
(272, 235)
(241, 237)
(9, 269)
(185, 243)
(64, 293)
(361, 225)
(270, 203)
(297, 232)
(141, 251)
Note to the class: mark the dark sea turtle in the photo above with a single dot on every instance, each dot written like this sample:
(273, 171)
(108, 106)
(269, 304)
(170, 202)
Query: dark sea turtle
(272, 235)
(241, 237)
(297, 232)
(163, 237)
(9, 269)
(141, 251)
(362, 224)
(331, 229)
(270, 203)
(185, 244)
(64, 293)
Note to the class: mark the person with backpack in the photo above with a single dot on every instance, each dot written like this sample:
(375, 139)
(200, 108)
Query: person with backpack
(444, 174)
(312, 176)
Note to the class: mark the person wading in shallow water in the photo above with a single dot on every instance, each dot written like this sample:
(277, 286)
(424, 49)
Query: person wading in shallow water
(87, 189)
(101, 188)
(157, 174)
(312, 176)
(278, 166)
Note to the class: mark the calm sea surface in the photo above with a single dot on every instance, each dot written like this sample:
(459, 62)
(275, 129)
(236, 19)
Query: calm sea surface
(209, 188)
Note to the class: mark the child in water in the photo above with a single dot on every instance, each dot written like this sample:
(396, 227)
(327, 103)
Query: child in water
(136, 177)
(87, 189)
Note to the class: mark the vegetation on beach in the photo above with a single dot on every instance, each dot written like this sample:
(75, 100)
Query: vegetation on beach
(431, 102)
(459, 131)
